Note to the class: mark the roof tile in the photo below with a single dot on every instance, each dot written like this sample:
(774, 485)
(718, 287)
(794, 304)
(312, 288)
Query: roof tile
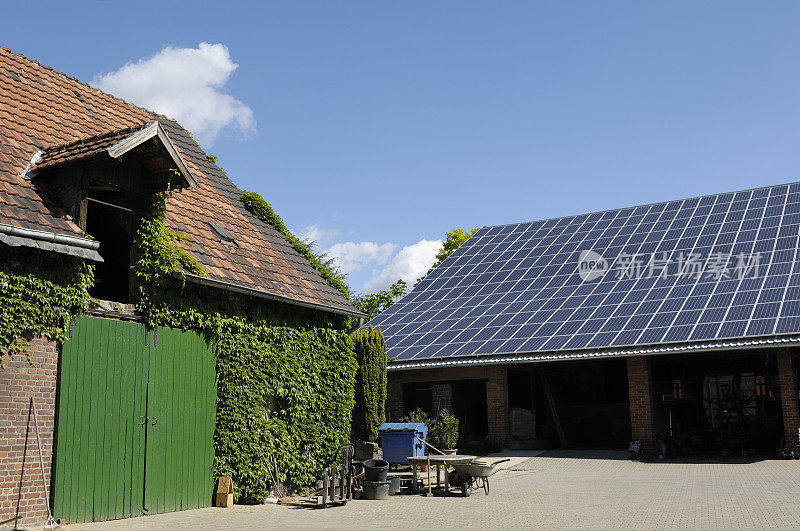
(44, 109)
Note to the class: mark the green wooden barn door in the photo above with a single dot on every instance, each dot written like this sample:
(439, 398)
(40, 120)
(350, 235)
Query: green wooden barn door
(135, 422)
(181, 407)
(99, 446)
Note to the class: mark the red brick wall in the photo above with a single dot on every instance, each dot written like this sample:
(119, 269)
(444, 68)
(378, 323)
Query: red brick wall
(394, 397)
(496, 393)
(19, 381)
(788, 390)
(641, 402)
(441, 397)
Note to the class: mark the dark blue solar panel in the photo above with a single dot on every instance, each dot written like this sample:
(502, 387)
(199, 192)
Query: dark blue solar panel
(707, 268)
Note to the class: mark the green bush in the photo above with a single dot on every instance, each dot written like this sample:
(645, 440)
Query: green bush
(443, 432)
(418, 415)
(369, 411)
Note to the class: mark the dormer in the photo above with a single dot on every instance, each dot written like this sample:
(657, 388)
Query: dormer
(106, 184)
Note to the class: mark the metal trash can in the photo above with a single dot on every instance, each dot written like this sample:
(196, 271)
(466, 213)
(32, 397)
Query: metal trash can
(399, 441)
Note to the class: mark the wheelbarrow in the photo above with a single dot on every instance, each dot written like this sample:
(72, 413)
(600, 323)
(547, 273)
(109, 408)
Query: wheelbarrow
(475, 474)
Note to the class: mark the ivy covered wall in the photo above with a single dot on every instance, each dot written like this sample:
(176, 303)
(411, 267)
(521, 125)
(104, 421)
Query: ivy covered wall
(40, 292)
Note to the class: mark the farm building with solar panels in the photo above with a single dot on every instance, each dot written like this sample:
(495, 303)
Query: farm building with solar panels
(672, 326)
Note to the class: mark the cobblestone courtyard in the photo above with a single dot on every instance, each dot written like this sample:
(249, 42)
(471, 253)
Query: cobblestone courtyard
(558, 489)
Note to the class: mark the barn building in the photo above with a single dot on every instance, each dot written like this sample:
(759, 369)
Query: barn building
(125, 412)
(673, 324)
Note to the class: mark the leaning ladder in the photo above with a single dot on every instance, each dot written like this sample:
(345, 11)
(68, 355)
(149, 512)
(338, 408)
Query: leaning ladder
(553, 410)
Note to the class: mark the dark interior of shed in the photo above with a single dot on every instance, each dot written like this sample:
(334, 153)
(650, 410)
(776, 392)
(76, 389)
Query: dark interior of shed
(586, 401)
(718, 403)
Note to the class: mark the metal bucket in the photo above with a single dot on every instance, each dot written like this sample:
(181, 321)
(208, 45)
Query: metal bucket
(394, 484)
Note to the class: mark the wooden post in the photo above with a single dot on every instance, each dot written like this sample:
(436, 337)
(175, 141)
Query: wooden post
(429, 477)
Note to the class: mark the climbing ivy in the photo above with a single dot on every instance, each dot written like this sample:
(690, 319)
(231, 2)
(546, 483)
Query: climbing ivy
(285, 374)
(40, 293)
(158, 256)
(370, 389)
(284, 393)
(256, 205)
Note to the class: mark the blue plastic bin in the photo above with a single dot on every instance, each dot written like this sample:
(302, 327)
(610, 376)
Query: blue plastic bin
(399, 440)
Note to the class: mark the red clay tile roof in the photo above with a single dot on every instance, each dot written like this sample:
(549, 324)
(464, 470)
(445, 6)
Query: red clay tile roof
(41, 109)
(82, 149)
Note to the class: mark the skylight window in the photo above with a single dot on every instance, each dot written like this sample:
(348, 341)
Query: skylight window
(223, 235)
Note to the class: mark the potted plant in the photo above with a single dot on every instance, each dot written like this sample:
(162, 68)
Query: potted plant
(418, 415)
(444, 433)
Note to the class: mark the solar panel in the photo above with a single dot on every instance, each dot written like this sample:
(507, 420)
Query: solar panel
(699, 269)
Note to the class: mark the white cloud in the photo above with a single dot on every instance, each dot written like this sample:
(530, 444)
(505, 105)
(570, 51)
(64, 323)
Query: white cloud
(373, 266)
(410, 263)
(353, 256)
(321, 237)
(186, 84)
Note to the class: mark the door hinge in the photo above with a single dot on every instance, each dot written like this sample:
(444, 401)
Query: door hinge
(147, 336)
(71, 322)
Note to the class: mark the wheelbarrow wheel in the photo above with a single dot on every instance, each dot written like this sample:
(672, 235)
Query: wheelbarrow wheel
(466, 487)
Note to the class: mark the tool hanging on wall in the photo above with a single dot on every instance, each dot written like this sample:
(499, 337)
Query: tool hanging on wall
(761, 386)
(51, 522)
(677, 389)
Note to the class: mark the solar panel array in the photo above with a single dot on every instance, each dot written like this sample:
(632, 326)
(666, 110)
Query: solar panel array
(707, 268)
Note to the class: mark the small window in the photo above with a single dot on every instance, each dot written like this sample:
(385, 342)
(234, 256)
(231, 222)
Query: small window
(220, 231)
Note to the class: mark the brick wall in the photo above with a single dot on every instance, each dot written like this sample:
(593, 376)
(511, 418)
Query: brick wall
(394, 397)
(19, 381)
(788, 391)
(496, 393)
(441, 397)
(497, 400)
(641, 402)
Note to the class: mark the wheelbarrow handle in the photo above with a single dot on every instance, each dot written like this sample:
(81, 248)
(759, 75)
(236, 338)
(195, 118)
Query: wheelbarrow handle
(501, 461)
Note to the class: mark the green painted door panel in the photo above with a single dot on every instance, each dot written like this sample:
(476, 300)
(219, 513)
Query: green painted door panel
(136, 413)
(182, 408)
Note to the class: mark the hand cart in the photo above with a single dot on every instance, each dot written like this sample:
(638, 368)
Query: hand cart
(475, 474)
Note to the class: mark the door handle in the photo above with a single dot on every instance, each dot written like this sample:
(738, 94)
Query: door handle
(155, 421)
(143, 420)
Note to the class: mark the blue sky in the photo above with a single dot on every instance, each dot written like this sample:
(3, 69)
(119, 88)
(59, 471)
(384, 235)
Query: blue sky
(377, 126)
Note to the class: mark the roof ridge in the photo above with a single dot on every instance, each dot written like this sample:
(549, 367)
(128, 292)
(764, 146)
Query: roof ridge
(58, 147)
(640, 206)
(76, 80)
